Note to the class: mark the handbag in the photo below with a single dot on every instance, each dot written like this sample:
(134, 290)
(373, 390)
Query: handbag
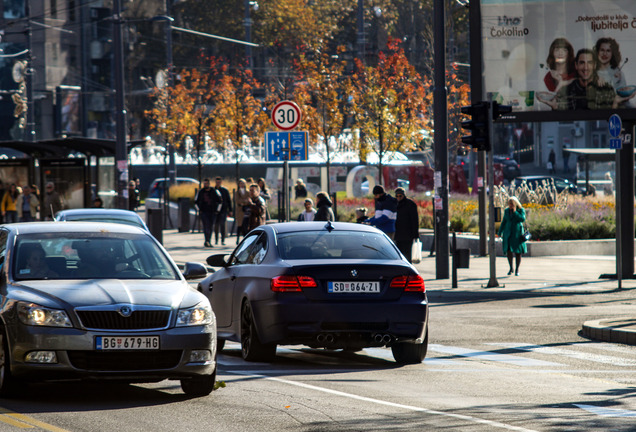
(416, 251)
(526, 234)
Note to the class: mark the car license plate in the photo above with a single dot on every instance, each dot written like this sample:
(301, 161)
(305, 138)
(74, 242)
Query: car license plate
(126, 343)
(354, 287)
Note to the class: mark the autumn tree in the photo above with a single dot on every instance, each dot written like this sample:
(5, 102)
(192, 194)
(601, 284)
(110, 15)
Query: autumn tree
(174, 114)
(238, 117)
(390, 104)
(323, 95)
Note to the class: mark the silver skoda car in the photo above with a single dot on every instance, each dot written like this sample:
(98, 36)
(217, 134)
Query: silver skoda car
(100, 301)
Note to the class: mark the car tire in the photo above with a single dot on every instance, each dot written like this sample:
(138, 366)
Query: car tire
(199, 386)
(410, 353)
(251, 347)
(7, 382)
(220, 344)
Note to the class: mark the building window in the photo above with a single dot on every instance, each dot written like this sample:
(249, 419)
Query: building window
(13, 9)
(53, 8)
(71, 10)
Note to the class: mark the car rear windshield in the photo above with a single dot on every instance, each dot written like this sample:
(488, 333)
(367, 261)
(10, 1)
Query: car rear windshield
(90, 256)
(336, 245)
(122, 219)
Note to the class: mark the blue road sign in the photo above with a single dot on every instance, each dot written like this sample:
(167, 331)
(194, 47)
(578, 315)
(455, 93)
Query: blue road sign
(615, 143)
(287, 145)
(615, 125)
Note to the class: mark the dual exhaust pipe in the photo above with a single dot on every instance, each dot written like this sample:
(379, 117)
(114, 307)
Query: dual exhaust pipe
(383, 338)
(325, 338)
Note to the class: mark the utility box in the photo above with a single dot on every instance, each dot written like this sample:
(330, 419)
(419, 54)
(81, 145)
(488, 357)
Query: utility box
(462, 258)
(184, 214)
(154, 220)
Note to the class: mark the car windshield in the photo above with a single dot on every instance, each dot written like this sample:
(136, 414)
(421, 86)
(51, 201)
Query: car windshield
(90, 256)
(122, 219)
(336, 245)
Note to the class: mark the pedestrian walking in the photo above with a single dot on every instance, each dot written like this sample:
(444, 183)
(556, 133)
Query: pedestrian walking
(98, 203)
(220, 225)
(385, 212)
(133, 195)
(8, 205)
(209, 202)
(407, 223)
(242, 202)
(300, 189)
(511, 232)
(52, 202)
(2, 191)
(27, 204)
(324, 211)
(552, 162)
(608, 186)
(265, 194)
(309, 213)
(256, 213)
(566, 160)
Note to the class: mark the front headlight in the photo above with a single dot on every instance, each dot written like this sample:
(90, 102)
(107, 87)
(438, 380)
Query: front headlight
(200, 314)
(36, 315)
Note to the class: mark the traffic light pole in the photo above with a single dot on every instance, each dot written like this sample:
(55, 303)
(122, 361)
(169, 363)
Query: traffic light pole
(492, 282)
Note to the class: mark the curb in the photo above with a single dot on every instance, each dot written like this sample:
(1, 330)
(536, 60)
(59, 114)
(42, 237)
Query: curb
(609, 330)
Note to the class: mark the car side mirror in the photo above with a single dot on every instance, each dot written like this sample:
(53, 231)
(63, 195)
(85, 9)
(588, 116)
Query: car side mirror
(218, 260)
(194, 270)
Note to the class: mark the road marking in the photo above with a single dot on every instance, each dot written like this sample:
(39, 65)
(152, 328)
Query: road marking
(390, 404)
(25, 422)
(598, 358)
(491, 356)
(606, 412)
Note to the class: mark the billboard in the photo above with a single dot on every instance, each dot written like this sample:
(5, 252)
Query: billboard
(560, 59)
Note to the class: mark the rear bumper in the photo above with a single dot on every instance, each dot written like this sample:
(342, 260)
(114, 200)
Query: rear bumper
(352, 323)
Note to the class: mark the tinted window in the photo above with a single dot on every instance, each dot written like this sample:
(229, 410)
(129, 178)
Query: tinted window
(244, 251)
(336, 245)
(89, 256)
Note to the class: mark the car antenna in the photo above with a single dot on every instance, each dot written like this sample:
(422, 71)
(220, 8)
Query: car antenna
(329, 227)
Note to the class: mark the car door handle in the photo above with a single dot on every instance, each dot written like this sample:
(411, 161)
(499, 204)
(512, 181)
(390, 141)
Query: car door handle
(233, 278)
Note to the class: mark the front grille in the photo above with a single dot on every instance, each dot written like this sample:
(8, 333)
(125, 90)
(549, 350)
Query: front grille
(124, 361)
(113, 320)
(374, 326)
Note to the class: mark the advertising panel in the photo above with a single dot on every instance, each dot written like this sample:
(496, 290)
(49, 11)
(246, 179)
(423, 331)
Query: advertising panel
(560, 59)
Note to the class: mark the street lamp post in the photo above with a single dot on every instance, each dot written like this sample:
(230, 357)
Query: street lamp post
(121, 153)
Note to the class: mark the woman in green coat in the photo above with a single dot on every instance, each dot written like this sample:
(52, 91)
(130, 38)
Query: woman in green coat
(511, 232)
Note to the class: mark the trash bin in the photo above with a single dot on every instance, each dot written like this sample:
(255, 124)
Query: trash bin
(154, 220)
(462, 258)
(184, 214)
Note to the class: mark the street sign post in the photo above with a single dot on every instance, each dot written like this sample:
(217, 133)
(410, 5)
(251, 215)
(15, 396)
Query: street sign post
(286, 115)
(283, 146)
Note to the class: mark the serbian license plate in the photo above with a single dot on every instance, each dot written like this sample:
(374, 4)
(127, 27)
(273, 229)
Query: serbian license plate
(354, 287)
(127, 342)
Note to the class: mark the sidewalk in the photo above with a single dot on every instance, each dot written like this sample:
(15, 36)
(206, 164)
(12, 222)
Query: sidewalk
(581, 275)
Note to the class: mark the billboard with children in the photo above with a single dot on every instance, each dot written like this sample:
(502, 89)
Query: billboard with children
(560, 59)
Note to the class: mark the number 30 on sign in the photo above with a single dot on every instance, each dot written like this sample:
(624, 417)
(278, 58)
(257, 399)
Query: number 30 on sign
(286, 115)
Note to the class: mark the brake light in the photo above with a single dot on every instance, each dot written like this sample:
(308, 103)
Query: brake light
(290, 283)
(412, 283)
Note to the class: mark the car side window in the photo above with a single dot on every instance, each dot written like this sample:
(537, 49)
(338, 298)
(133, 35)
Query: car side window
(259, 250)
(243, 253)
(3, 246)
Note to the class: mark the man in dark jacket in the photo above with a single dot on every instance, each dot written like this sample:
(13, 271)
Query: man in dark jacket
(407, 223)
(209, 202)
(226, 208)
(256, 214)
(385, 212)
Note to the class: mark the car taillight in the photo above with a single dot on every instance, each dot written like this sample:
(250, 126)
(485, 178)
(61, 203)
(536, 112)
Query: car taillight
(412, 283)
(289, 283)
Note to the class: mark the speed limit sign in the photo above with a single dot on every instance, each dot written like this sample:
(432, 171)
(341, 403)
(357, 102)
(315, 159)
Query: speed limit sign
(286, 115)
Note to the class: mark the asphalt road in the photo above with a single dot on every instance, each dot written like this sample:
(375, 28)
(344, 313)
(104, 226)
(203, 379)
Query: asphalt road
(498, 360)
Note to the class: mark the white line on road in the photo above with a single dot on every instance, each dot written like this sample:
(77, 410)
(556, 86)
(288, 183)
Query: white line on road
(606, 412)
(491, 356)
(392, 404)
(598, 358)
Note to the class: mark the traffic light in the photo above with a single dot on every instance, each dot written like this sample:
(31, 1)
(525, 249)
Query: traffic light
(499, 110)
(479, 138)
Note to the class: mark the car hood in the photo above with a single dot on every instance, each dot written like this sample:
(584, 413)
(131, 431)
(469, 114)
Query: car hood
(99, 292)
